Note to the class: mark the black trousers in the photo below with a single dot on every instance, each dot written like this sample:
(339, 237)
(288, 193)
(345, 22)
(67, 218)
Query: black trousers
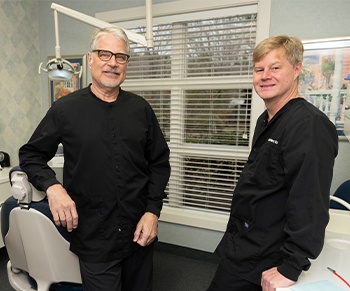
(133, 273)
(225, 281)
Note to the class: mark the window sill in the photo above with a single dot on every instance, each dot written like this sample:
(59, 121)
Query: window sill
(193, 218)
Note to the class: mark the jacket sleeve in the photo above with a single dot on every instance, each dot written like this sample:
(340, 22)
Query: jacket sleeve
(308, 157)
(41, 148)
(157, 153)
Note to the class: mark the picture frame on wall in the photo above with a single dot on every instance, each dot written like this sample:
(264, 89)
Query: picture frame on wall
(58, 89)
(324, 79)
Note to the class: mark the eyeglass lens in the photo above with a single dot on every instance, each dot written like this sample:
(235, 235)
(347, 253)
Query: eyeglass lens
(107, 55)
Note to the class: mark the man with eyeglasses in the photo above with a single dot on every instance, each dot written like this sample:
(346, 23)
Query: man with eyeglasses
(115, 171)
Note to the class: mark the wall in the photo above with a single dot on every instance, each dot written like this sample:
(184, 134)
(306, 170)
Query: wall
(20, 98)
(311, 19)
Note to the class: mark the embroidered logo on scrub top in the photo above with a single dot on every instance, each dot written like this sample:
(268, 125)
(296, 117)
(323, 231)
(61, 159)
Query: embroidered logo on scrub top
(273, 141)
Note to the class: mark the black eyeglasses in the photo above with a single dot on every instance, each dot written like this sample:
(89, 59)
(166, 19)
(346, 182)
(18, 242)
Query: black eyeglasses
(105, 56)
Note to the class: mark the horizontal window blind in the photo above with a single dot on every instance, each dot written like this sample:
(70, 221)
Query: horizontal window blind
(222, 46)
(206, 123)
(204, 183)
(151, 63)
(160, 102)
(212, 47)
(217, 116)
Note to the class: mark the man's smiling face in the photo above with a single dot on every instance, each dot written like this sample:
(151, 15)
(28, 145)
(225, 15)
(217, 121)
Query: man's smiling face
(274, 76)
(107, 74)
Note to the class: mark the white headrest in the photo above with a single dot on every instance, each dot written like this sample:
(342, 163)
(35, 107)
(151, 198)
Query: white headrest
(23, 190)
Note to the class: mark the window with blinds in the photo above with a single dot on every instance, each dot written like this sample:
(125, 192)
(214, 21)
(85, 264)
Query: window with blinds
(197, 79)
(201, 48)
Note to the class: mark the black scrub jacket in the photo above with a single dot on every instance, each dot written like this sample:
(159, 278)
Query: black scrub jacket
(280, 204)
(116, 167)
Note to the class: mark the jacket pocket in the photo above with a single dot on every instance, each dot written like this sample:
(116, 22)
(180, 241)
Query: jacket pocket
(245, 241)
(263, 165)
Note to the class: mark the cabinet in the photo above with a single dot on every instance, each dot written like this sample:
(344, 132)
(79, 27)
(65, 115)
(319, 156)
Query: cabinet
(5, 192)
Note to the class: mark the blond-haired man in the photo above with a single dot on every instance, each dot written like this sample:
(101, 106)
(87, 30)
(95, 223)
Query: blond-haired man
(280, 204)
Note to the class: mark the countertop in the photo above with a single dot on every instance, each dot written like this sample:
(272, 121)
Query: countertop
(336, 255)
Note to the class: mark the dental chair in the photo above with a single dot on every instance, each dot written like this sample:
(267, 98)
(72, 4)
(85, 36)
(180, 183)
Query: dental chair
(38, 250)
(339, 219)
(342, 192)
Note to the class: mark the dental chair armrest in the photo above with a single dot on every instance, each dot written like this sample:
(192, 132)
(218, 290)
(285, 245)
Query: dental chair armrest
(22, 190)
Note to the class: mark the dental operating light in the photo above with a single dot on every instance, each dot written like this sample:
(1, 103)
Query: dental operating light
(61, 69)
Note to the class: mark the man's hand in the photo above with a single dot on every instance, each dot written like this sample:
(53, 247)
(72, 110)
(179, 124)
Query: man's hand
(146, 230)
(272, 279)
(62, 207)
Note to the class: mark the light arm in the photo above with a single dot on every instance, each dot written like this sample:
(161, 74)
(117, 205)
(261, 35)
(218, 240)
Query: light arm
(134, 37)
